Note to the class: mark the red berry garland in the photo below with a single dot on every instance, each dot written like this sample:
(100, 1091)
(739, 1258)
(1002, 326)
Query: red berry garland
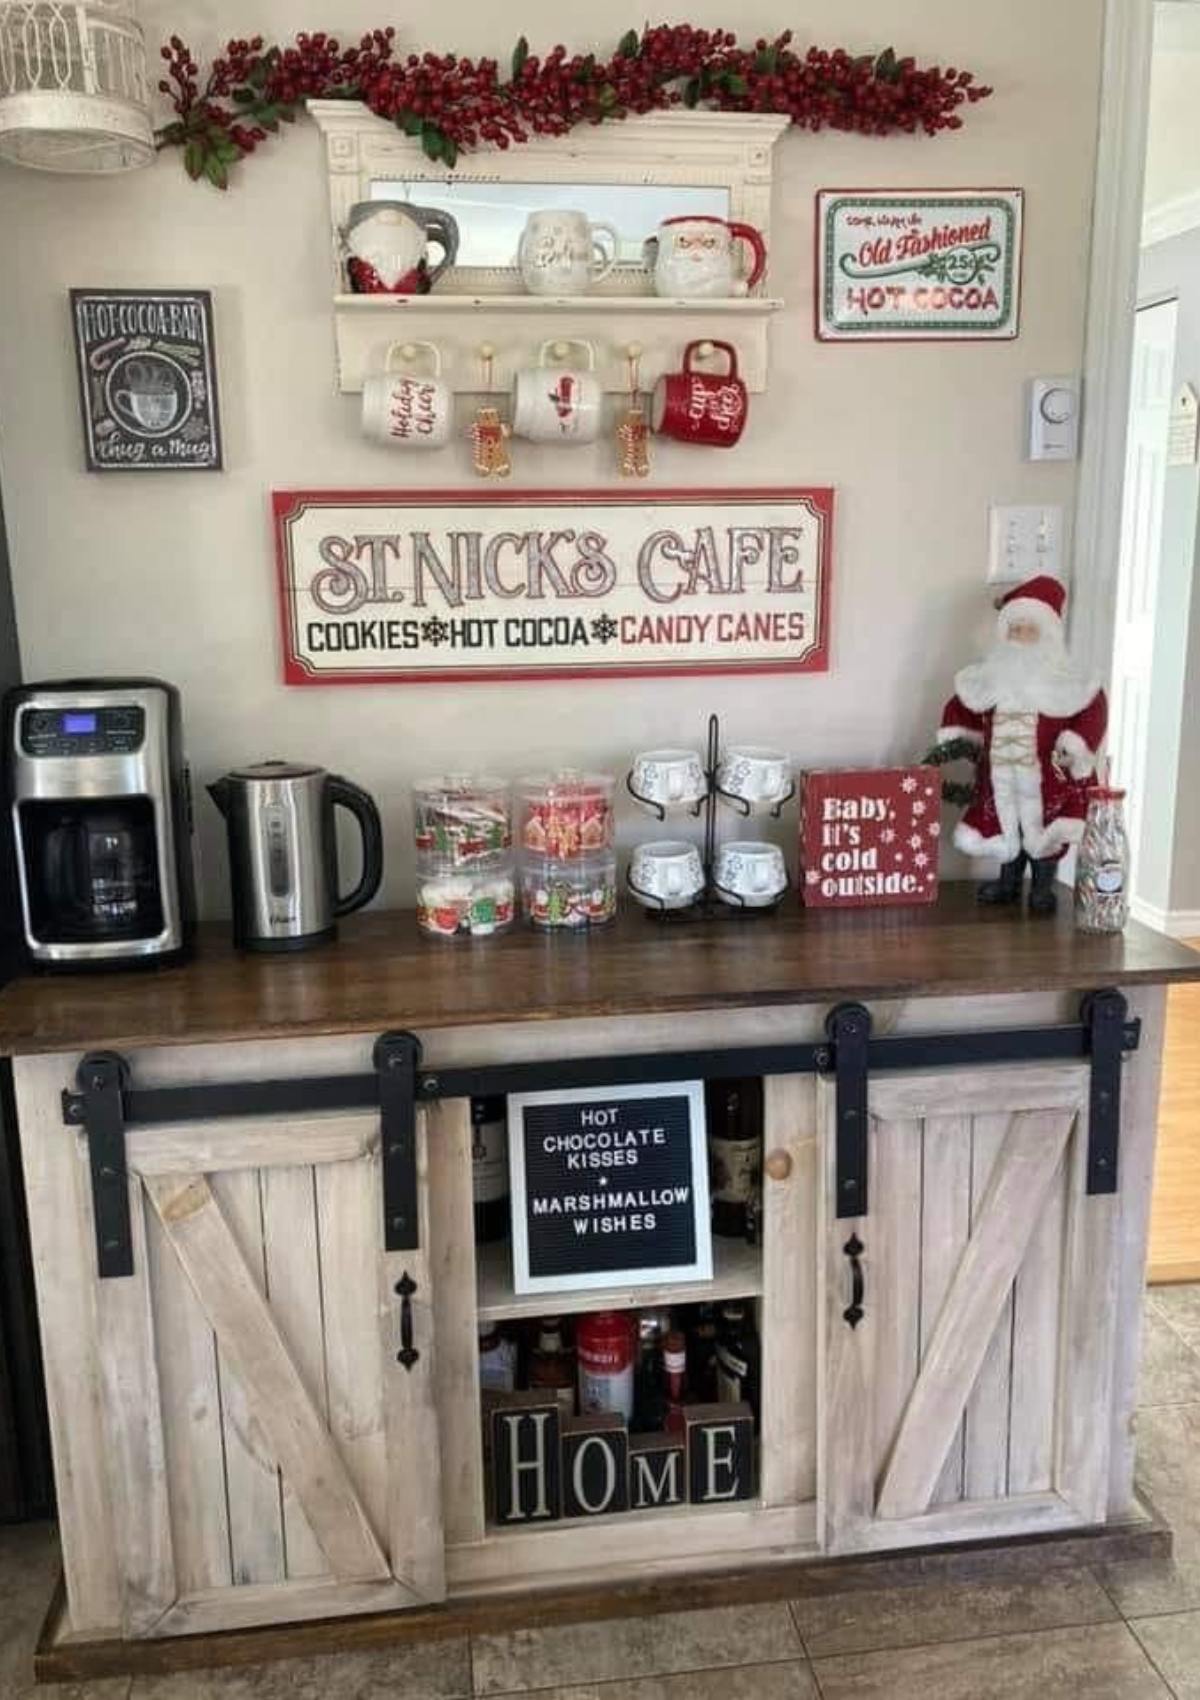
(452, 104)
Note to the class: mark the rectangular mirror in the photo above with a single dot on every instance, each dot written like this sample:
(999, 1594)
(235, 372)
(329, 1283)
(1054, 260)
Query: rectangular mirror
(491, 216)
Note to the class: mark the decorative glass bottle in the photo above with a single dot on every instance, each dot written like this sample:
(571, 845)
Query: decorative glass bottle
(1102, 872)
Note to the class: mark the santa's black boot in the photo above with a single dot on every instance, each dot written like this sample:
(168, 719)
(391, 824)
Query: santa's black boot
(1006, 887)
(1043, 899)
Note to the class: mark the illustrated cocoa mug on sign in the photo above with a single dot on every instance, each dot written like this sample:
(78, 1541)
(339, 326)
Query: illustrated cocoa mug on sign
(696, 258)
(149, 395)
(404, 408)
(554, 402)
(707, 408)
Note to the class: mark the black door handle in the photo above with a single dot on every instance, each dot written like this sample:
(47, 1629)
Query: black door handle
(853, 1313)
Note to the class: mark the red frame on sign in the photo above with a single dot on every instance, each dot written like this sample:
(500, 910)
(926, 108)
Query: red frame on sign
(287, 503)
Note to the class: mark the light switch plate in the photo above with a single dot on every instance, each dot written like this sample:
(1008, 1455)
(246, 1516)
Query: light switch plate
(1024, 542)
(1054, 418)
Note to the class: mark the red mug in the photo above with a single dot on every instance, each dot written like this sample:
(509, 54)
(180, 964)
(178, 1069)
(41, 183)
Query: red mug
(701, 407)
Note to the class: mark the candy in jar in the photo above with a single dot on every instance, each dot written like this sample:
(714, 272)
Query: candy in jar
(566, 815)
(1102, 871)
(569, 895)
(461, 821)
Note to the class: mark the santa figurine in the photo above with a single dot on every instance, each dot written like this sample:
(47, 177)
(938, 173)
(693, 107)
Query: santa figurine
(1039, 724)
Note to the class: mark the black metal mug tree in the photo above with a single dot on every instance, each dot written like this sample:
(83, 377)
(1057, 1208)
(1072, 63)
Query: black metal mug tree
(712, 899)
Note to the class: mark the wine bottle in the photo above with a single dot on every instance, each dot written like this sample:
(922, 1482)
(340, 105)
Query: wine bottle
(489, 1168)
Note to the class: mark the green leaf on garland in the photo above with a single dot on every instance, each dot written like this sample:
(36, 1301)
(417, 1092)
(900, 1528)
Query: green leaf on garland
(585, 71)
(607, 96)
(766, 59)
(449, 150)
(410, 122)
(520, 55)
(733, 82)
(215, 171)
(887, 66)
(691, 91)
(193, 160)
(627, 47)
(257, 75)
(245, 96)
(432, 141)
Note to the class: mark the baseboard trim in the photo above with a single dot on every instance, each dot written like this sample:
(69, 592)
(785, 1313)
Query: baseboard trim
(1176, 923)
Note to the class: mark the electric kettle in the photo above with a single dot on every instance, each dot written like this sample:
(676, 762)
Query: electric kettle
(283, 852)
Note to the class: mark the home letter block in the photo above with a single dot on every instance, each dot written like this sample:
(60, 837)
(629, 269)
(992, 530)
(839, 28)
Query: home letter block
(720, 1453)
(525, 1458)
(656, 1473)
(595, 1465)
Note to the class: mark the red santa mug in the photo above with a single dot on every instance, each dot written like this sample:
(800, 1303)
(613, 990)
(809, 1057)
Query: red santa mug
(701, 407)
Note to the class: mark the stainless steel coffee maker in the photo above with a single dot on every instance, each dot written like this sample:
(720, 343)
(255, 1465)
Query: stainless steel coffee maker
(98, 801)
(283, 852)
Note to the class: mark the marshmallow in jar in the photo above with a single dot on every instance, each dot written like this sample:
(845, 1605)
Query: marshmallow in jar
(566, 815)
(466, 905)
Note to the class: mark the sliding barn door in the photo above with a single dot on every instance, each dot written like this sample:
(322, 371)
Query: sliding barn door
(971, 1396)
(254, 1425)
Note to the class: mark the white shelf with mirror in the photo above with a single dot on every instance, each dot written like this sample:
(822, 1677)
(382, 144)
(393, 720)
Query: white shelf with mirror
(632, 173)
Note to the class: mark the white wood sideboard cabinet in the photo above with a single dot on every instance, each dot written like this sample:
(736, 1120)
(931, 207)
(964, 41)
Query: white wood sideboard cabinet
(260, 1294)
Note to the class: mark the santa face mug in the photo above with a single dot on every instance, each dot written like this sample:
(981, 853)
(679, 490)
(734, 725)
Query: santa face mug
(667, 874)
(750, 875)
(404, 409)
(754, 777)
(668, 778)
(553, 402)
(560, 252)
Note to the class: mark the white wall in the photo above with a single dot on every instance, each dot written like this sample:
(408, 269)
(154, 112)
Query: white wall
(1172, 155)
(173, 573)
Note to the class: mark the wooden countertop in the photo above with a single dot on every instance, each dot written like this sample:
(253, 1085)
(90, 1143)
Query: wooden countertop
(381, 973)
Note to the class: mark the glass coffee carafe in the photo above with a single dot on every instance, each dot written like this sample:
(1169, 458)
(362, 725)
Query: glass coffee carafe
(92, 869)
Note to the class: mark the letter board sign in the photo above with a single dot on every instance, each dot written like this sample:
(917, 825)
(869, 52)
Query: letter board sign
(404, 586)
(609, 1187)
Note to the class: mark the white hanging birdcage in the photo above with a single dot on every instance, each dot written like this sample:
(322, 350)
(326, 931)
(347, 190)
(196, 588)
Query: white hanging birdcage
(73, 93)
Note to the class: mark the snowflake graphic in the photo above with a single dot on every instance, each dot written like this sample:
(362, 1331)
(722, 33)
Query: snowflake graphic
(918, 809)
(934, 829)
(812, 877)
(887, 836)
(908, 784)
(605, 628)
(920, 860)
(898, 856)
(929, 790)
(915, 841)
(435, 631)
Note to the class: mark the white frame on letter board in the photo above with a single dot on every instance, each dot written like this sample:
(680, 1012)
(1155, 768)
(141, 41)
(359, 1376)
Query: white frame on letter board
(657, 1276)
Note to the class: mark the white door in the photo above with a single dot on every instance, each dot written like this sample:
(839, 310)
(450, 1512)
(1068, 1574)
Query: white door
(1141, 551)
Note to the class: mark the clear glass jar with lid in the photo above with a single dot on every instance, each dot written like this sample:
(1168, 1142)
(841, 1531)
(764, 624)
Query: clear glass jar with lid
(1102, 870)
(462, 823)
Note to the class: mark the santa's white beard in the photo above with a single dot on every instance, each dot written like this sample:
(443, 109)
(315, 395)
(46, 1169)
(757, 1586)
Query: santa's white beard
(1023, 678)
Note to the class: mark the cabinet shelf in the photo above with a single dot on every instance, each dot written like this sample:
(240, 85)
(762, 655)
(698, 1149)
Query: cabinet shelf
(737, 1274)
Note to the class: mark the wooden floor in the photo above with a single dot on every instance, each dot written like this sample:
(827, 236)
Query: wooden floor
(1175, 1214)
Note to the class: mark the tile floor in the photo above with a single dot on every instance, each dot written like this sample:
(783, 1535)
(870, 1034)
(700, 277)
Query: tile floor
(1126, 1631)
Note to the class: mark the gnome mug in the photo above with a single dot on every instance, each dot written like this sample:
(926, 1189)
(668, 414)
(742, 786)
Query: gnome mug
(387, 243)
(701, 407)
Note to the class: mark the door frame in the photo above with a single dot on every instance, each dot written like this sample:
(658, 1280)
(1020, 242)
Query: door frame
(1122, 125)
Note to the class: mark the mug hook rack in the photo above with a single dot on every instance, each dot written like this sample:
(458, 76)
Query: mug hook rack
(714, 899)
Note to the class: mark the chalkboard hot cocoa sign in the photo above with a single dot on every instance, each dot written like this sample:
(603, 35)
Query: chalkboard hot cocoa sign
(382, 586)
(147, 379)
(609, 1187)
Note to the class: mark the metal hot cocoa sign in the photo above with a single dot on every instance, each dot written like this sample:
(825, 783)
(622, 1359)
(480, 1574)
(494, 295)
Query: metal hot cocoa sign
(918, 264)
(383, 586)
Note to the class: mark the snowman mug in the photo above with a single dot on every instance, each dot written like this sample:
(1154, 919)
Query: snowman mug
(403, 408)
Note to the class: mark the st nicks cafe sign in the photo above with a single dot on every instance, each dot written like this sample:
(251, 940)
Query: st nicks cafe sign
(446, 585)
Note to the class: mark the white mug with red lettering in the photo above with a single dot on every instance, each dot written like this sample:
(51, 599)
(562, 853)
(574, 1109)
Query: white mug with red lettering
(404, 408)
(555, 402)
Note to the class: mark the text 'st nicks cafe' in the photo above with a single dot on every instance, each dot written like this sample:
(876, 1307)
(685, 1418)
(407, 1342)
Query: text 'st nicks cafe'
(383, 586)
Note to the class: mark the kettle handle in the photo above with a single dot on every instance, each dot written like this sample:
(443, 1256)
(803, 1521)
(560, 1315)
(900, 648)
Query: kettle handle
(362, 807)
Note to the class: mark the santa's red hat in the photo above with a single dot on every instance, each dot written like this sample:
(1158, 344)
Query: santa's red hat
(1040, 599)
